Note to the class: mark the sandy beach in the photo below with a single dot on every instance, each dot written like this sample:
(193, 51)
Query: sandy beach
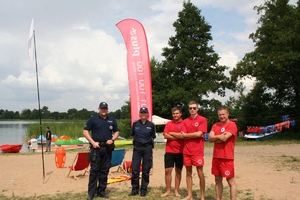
(266, 171)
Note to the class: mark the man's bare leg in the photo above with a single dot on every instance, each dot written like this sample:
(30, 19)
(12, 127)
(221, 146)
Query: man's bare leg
(219, 187)
(233, 188)
(177, 181)
(189, 182)
(201, 181)
(168, 180)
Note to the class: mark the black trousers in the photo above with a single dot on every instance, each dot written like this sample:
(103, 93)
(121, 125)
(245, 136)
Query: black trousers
(99, 171)
(141, 154)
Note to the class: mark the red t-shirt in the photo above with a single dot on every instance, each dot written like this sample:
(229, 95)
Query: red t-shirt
(225, 150)
(196, 145)
(174, 146)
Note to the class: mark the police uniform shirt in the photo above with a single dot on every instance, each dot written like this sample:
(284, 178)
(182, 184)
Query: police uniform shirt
(143, 133)
(102, 129)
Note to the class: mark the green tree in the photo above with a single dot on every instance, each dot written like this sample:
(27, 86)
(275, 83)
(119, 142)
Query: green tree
(25, 114)
(234, 105)
(85, 114)
(125, 111)
(190, 70)
(6, 114)
(116, 114)
(275, 62)
(55, 115)
(72, 113)
(35, 114)
(159, 91)
(45, 112)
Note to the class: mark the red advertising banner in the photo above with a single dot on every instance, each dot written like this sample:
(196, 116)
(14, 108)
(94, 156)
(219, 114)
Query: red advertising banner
(138, 66)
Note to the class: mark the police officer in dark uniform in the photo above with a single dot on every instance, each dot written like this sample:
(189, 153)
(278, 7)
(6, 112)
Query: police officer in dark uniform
(102, 127)
(143, 132)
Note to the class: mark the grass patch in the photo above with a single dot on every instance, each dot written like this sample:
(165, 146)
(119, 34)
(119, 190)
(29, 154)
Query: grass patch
(153, 193)
(287, 162)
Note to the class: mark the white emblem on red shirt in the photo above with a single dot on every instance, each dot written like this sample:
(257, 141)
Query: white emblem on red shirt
(196, 124)
(222, 130)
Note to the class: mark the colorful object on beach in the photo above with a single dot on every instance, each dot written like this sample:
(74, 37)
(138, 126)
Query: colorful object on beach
(265, 132)
(66, 147)
(60, 157)
(81, 162)
(42, 139)
(120, 143)
(64, 137)
(127, 167)
(11, 148)
(119, 179)
(68, 142)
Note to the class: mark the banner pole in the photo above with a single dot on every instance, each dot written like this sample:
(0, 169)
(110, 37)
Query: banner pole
(39, 104)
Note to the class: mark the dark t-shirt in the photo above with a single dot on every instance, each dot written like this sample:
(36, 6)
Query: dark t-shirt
(102, 129)
(48, 135)
(143, 133)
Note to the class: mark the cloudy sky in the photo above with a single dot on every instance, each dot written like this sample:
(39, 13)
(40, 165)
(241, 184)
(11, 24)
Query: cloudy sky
(81, 53)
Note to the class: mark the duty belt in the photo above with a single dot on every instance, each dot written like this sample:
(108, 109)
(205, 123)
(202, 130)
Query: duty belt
(139, 144)
(101, 144)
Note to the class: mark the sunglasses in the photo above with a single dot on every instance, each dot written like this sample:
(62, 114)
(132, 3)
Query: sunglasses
(192, 108)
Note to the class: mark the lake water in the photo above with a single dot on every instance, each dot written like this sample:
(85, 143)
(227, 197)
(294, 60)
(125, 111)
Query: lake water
(14, 132)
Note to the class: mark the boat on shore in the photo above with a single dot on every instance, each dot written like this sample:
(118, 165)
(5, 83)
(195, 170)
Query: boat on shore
(260, 136)
(82, 140)
(66, 147)
(266, 132)
(11, 148)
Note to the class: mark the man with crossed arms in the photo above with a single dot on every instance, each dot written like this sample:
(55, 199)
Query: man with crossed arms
(193, 151)
(173, 153)
(223, 135)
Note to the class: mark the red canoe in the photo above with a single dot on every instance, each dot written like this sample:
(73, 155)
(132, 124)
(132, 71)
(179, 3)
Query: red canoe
(11, 148)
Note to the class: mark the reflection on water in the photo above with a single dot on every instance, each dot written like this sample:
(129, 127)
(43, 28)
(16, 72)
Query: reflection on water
(14, 132)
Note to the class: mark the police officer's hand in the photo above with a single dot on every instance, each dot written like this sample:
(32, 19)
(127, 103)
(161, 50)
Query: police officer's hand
(96, 145)
(109, 142)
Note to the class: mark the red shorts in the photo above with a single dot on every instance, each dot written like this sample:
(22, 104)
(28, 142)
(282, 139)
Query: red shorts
(193, 160)
(223, 167)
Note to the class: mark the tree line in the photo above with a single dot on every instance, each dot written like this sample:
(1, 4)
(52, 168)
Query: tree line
(71, 114)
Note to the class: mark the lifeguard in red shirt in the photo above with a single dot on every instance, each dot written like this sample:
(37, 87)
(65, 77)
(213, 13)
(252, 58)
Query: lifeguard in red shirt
(193, 151)
(223, 134)
(173, 153)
